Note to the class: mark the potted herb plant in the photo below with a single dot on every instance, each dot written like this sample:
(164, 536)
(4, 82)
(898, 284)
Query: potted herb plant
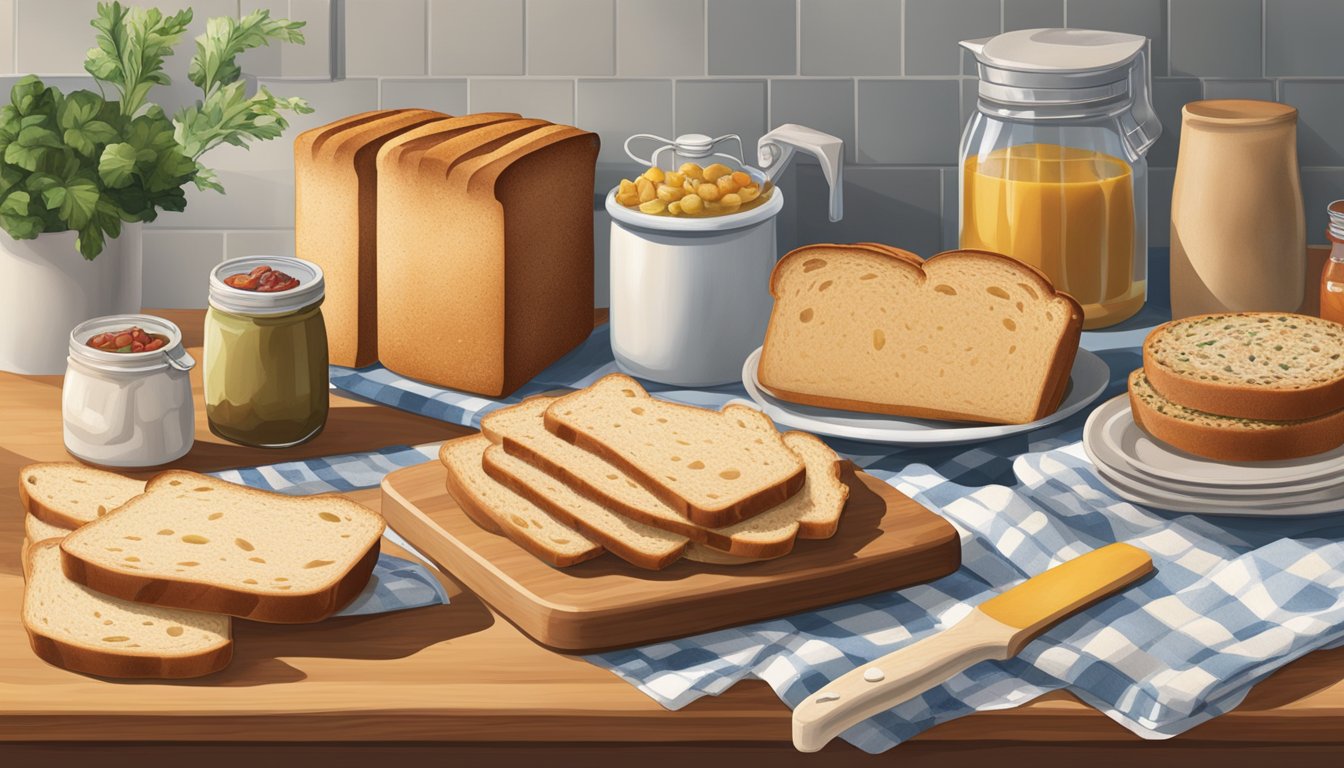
(80, 171)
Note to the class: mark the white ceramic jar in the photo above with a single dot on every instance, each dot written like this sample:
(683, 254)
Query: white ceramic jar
(128, 409)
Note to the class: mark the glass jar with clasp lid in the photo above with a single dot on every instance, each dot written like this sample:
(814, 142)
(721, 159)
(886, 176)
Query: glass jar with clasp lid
(1332, 277)
(266, 380)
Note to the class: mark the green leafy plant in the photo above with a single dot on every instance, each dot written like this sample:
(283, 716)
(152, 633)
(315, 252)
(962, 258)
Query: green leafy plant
(85, 162)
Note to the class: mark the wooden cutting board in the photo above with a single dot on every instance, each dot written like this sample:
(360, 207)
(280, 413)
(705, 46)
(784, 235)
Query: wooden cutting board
(885, 541)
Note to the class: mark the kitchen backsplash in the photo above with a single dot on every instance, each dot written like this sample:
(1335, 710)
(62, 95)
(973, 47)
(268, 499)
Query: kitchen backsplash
(885, 75)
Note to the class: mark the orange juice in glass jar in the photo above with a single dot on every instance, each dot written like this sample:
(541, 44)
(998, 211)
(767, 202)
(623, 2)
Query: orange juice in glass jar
(1332, 277)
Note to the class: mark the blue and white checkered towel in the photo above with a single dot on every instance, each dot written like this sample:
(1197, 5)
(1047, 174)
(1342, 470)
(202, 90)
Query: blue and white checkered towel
(1231, 601)
(396, 584)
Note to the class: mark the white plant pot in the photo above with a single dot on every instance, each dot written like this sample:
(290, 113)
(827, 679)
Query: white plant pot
(47, 288)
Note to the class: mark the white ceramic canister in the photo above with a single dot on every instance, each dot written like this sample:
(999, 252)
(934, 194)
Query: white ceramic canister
(690, 297)
(128, 409)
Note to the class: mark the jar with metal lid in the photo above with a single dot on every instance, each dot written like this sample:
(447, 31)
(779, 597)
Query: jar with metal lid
(266, 354)
(123, 408)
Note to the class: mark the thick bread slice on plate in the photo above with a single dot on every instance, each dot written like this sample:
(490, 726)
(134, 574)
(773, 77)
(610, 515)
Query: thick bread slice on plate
(634, 542)
(192, 541)
(68, 495)
(1229, 438)
(499, 510)
(813, 512)
(1256, 365)
(81, 630)
(335, 198)
(713, 468)
(967, 335)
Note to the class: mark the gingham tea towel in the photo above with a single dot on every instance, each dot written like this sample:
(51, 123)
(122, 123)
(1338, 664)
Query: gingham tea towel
(1228, 604)
(396, 584)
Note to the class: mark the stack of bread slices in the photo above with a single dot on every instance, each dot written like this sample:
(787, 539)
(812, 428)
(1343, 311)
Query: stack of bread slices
(1246, 386)
(132, 579)
(610, 468)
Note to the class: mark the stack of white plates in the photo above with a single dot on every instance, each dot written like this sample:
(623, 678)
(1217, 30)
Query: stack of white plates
(1144, 470)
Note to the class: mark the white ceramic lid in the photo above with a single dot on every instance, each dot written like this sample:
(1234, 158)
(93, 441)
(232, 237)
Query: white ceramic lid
(1058, 50)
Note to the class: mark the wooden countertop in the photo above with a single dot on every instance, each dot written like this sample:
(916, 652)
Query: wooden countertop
(459, 676)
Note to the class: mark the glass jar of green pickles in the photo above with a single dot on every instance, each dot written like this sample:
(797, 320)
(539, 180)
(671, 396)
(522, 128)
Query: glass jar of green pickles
(266, 351)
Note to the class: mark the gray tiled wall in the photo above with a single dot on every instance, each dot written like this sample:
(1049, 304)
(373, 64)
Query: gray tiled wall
(885, 75)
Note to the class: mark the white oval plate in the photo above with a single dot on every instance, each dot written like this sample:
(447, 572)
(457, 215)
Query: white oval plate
(1114, 417)
(1266, 508)
(1087, 381)
(1154, 458)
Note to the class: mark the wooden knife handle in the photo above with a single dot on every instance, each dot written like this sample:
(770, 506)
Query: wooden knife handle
(892, 679)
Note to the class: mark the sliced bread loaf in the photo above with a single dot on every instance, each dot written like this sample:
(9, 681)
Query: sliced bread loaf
(335, 221)
(499, 510)
(1229, 438)
(967, 335)
(74, 627)
(1256, 365)
(191, 541)
(813, 512)
(68, 495)
(714, 469)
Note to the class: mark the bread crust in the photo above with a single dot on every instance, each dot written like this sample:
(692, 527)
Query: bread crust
(91, 661)
(475, 509)
(290, 608)
(762, 500)
(1052, 394)
(43, 512)
(1294, 439)
(1239, 400)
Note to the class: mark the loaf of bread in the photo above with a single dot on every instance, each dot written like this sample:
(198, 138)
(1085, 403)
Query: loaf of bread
(191, 541)
(1271, 366)
(1229, 438)
(966, 335)
(335, 221)
(714, 469)
(485, 242)
(68, 495)
(812, 513)
(74, 627)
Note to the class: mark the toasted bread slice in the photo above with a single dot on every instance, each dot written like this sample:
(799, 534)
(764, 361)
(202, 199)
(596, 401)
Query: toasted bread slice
(966, 335)
(1230, 438)
(191, 541)
(715, 469)
(499, 510)
(74, 627)
(1271, 366)
(68, 495)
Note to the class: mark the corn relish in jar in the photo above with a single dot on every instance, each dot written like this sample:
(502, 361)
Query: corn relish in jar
(692, 190)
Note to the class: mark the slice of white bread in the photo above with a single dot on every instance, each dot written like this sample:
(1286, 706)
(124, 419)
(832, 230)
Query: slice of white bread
(499, 510)
(35, 530)
(1229, 438)
(76, 628)
(335, 221)
(713, 468)
(191, 541)
(811, 513)
(638, 544)
(967, 335)
(515, 256)
(1257, 365)
(68, 495)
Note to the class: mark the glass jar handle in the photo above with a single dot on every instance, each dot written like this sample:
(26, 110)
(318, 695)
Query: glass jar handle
(1147, 127)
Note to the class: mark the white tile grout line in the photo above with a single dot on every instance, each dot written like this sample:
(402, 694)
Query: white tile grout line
(900, 66)
(1264, 44)
(429, 52)
(797, 38)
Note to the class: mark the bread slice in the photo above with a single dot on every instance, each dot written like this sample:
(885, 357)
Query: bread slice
(499, 510)
(191, 541)
(78, 629)
(813, 512)
(634, 542)
(516, 256)
(68, 495)
(1255, 365)
(714, 469)
(1229, 438)
(967, 335)
(335, 221)
(35, 530)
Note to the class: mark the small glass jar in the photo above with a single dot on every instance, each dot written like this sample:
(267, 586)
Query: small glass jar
(1332, 277)
(266, 356)
(128, 409)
